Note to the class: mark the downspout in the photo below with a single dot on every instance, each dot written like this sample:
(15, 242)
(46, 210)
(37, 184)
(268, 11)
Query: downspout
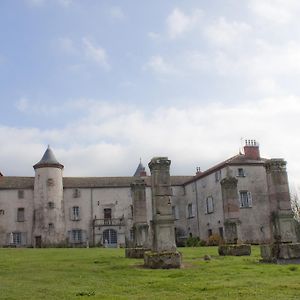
(197, 208)
(92, 218)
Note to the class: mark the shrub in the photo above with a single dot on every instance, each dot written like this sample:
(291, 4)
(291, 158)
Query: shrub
(215, 240)
(194, 242)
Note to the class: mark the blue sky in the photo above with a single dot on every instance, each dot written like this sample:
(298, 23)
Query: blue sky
(107, 82)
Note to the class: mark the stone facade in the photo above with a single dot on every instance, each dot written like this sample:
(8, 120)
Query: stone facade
(244, 199)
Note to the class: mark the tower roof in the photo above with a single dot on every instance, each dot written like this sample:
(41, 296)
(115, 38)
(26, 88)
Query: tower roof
(48, 160)
(140, 170)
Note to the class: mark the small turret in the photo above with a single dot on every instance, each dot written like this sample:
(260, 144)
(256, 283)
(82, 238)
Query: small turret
(140, 170)
(48, 202)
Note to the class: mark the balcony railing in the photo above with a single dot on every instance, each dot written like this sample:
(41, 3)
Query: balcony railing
(109, 222)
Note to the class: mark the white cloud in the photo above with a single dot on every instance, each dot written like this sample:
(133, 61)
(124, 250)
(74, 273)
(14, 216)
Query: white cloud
(276, 11)
(22, 104)
(224, 33)
(95, 53)
(117, 13)
(158, 65)
(110, 138)
(179, 23)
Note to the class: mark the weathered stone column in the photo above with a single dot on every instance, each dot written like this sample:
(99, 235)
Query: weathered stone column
(281, 215)
(231, 209)
(140, 225)
(283, 247)
(164, 253)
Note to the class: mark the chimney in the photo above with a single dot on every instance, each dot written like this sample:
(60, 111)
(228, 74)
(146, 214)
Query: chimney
(198, 171)
(251, 149)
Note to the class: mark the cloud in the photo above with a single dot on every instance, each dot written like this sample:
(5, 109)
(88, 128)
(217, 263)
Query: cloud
(108, 139)
(224, 33)
(158, 65)
(95, 53)
(179, 23)
(276, 11)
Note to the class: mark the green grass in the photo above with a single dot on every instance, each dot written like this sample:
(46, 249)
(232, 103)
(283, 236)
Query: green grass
(98, 273)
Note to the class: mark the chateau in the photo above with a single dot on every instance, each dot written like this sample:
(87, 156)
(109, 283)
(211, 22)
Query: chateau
(242, 199)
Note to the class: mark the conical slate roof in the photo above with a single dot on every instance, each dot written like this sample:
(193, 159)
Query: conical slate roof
(48, 160)
(140, 170)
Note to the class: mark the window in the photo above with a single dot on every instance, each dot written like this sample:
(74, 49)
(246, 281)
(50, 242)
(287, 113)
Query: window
(209, 205)
(132, 234)
(107, 213)
(190, 211)
(76, 193)
(50, 182)
(76, 235)
(51, 205)
(21, 214)
(75, 213)
(175, 212)
(218, 175)
(51, 226)
(21, 194)
(221, 232)
(16, 238)
(245, 199)
(1, 212)
(240, 172)
(209, 232)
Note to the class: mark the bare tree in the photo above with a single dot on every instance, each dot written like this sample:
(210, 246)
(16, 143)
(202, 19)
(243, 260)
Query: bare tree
(295, 204)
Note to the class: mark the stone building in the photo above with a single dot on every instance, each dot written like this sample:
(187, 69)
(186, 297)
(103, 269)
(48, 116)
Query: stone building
(243, 199)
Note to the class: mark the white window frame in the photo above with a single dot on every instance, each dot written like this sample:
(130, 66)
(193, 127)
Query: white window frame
(76, 236)
(190, 211)
(75, 213)
(245, 199)
(209, 205)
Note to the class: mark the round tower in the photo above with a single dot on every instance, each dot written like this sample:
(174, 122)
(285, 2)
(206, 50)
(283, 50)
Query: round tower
(48, 224)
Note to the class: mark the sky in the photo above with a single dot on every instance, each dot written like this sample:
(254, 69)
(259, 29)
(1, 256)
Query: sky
(106, 83)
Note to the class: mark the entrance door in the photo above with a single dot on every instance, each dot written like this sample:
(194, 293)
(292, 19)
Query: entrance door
(38, 242)
(110, 238)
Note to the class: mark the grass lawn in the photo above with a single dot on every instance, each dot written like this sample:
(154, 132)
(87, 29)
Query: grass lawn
(98, 273)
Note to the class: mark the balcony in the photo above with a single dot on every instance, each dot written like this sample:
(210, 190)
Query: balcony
(109, 222)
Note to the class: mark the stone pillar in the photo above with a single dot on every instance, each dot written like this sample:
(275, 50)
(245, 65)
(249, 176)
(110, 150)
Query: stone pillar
(231, 208)
(281, 215)
(140, 225)
(164, 253)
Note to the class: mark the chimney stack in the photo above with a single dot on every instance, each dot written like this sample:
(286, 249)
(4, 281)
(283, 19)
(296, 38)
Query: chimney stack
(251, 150)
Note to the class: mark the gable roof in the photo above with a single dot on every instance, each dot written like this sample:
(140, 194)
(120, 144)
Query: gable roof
(239, 159)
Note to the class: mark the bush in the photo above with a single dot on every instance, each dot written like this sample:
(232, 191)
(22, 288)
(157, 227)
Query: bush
(215, 240)
(194, 242)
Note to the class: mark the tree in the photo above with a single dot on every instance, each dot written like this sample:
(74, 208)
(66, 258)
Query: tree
(295, 204)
